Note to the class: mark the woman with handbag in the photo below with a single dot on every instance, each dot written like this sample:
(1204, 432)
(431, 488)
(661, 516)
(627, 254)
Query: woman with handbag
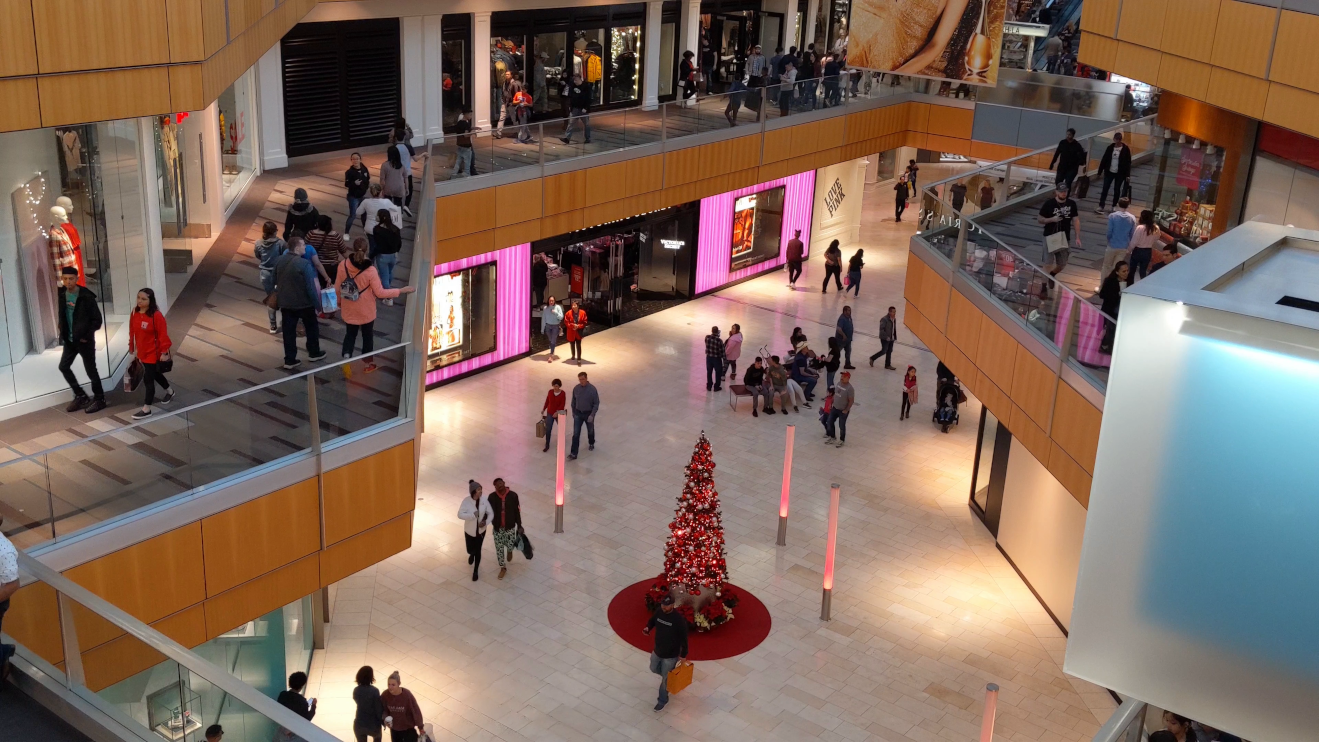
(358, 284)
(148, 340)
(555, 402)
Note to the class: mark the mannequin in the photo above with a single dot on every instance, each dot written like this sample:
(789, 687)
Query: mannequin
(65, 243)
(66, 203)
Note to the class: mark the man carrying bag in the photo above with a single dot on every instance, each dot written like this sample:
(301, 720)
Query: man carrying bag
(670, 645)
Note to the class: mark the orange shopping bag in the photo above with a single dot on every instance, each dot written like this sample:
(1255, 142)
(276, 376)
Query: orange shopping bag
(680, 676)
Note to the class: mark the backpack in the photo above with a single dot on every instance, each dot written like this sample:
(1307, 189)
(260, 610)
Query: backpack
(594, 70)
(349, 289)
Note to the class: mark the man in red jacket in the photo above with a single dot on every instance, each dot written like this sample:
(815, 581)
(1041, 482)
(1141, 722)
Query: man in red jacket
(796, 252)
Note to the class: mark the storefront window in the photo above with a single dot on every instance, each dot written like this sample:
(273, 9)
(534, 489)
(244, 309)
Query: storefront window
(1186, 187)
(76, 197)
(463, 321)
(237, 136)
(551, 61)
(668, 70)
(624, 56)
(757, 228)
(589, 61)
(453, 69)
(506, 56)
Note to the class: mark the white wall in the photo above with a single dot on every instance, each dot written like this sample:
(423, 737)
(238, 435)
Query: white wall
(1282, 193)
(270, 109)
(1040, 528)
(844, 222)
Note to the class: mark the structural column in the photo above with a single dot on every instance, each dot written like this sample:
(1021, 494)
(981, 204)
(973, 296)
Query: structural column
(689, 39)
(812, 13)
(432, 125)
(651, 78)
(270, 110)
(414, 75)
(481, 70)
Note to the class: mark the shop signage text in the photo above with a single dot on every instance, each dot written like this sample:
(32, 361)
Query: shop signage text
(834, 198)
(673, 244)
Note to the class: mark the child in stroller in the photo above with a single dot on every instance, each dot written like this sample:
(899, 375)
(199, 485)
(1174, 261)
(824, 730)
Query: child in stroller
(945, 410)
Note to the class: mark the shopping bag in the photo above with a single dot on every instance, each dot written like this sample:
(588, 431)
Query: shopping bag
(540, 428)
(1056, 241)
(134, 375)
(524, 545)
(680, 676)
(329, 301)
(1082, 186)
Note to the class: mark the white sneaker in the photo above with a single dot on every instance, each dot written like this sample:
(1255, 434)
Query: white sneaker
(840, 443)
(389, 302)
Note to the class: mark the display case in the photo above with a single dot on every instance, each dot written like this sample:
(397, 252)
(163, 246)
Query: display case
(1186, 187)
(173, 711)
(463, 321)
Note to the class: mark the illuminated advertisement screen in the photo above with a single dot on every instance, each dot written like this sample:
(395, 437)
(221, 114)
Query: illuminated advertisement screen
(463, 306)
(959, 40)
(757, 228)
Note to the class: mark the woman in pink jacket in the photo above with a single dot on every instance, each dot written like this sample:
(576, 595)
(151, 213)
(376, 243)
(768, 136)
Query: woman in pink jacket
(358, 303)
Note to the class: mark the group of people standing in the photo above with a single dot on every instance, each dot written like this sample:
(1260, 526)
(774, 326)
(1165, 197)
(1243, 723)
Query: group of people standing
(795, 77)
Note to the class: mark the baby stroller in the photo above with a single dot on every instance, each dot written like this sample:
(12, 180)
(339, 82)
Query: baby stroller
(945, 411)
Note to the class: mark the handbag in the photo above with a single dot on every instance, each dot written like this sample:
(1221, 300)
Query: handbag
(134, 375)
(164, 361)
(680, 676)
(271, 300)
(1056, 241)
(524, 544)
(540, 428)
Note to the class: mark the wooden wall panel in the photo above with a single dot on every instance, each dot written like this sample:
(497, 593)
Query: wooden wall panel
(564, 192)
(369, 492)
(101, 96)
(78, 35)
(1070, 475)
(964, 325)
(18, 41)
(1293, 51)
(365, 549)
(951, 122)
(247, 541)
(934, 299)
(1141, 22)
(680, 166)
(1098, 51)
(127, 656)
(997, 354)
(777, 146)
(1076, 426)
(21, 109)
(466, 246)
(1190, 34)
(185, 87)
(1184, 76)
(958, 362)
(214, 31)
(993, 397)
(518, 202)
(646, 174)
(464, 213)
(1100, 16)
(1136, 62)
(1292, 108)
(1031, 435)
(805, 139)
(948, 144)
(832, 132)
(1243, 38)
(923, 330)
(552, 224)
(1032, 387)
(915, 276)
(149, 580)
(1234, 91)
(231, 609)
(186, 40)
(517, 234)
(918, 117)
(33, 619)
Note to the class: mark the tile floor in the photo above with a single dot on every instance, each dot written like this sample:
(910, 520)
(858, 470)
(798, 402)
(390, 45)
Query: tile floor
(925, 611)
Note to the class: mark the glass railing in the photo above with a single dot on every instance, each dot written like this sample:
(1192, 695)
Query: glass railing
(51, 494)
(513, 146)
(1127, 724)
(1005, 257)
(85, 644)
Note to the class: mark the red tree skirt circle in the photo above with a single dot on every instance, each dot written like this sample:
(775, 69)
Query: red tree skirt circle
(749, 627)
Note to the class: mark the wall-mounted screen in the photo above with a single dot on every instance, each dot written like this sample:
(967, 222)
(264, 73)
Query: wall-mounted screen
(463, 308)
(757, 228)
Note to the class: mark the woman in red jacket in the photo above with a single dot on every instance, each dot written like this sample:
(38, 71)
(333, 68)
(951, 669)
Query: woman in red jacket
(148, 339)
(575, 321)
(555, 402)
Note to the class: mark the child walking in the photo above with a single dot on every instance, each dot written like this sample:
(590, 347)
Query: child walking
(908, 392)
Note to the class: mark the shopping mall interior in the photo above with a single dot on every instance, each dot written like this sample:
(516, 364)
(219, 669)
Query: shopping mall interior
(511, 372)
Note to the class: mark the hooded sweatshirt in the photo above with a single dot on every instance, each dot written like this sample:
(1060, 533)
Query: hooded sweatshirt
(267, 251)
(302, 216)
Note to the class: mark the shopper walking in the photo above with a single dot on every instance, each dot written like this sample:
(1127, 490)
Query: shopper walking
(464, 164)
(796, 254)
(505, 99)
(551, 319)
(328, 244)
(1068, 157)
(737, 92)
(908, 393)
(301, 215)
(475, 514)
(585, 403)
(843, 331)
(79, 319)
(1110, 303)
(556, 401)
(579, 99)
(298, 300)
(293, 700)
(370, 714)
(670, 645)
(687, 78)
(732, 352)
(388, 241)
(714, 361)
(508, 523)
(393, 177)
(833, 266)
(1116, 167)
(1059, 215)
(901, 192)
(148, 341)
(831, 362)
(575, 322)
(986, 195)
(540, 277)
(1144, 238)
(844, 398)
(358, 285)
(357, 180)
(854, 266)
(267, 250)
(522, 103)
(1121, 228)
(888, 335)
(402, 714)
(370, 211)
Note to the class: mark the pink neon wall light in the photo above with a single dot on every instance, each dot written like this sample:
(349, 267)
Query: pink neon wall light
(513, 308)
(714, 243)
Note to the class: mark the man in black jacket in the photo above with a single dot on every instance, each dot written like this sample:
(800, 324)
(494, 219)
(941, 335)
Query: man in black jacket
(579, 99)
(1070, 157)
(670, 645)
(80, 318)
(293, 700)
(754, 379)
(1116, 167)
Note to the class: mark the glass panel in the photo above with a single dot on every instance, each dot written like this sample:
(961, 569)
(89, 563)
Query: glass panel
(625, 63)
(25, 496)
(453, 97)
(237, 136)
(355, 395)
(668, 63)
(1025, 289)
(122, 266)
(1092, 340)
(547, 74)
(185, 228)
(264, 425)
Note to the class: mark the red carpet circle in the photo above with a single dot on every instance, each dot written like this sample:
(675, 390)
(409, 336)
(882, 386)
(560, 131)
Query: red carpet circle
(749, 627)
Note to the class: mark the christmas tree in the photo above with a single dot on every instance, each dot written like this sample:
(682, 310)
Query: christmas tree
(694, 553)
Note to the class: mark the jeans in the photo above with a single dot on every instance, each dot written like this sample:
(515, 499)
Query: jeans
(837, 422)
(522, 115)
(794, 270)
(88, 352)
(886, 350)
(1140, 263)
(350, 338)
(268, 284)
(353, 203)
(385, 267)
(585, 121)
(577, 419)
(553, 334)
(503, 115)
(150, 378)
(1121, 184)
(757, 394)
(785, 101)
(854, 283)
(730, 369)
(662, 666)
(837, 272)
(714, 372)
(829, 378)
(308, 318)
(549, 430)
(474, 547)
(807, 384)
(360, 732)
(464, 164)
(846, 347)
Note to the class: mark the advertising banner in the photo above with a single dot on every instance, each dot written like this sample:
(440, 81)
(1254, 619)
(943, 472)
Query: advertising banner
(958, 40)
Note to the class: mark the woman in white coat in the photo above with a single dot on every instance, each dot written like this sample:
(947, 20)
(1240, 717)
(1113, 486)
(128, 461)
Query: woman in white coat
(476, 514)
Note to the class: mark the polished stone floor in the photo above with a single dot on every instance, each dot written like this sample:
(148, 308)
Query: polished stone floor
(925, 611)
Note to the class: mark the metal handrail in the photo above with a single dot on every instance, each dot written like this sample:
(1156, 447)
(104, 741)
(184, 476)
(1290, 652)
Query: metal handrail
(1118, 725)
(157, 641)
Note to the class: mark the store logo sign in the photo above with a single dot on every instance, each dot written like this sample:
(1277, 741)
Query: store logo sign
(673, 244)
(833, 200)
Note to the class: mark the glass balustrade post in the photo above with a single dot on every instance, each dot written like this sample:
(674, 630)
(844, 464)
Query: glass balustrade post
(664, 124)
(73, 673)
(959, 252)
(314, 418)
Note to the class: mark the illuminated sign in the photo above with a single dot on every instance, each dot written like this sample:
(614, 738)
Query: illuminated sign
(673, 244)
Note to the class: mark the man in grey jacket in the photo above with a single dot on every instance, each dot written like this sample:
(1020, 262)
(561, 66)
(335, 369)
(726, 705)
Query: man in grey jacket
(585, 403)
(888, 334)
(298, 298)
(844, 398)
